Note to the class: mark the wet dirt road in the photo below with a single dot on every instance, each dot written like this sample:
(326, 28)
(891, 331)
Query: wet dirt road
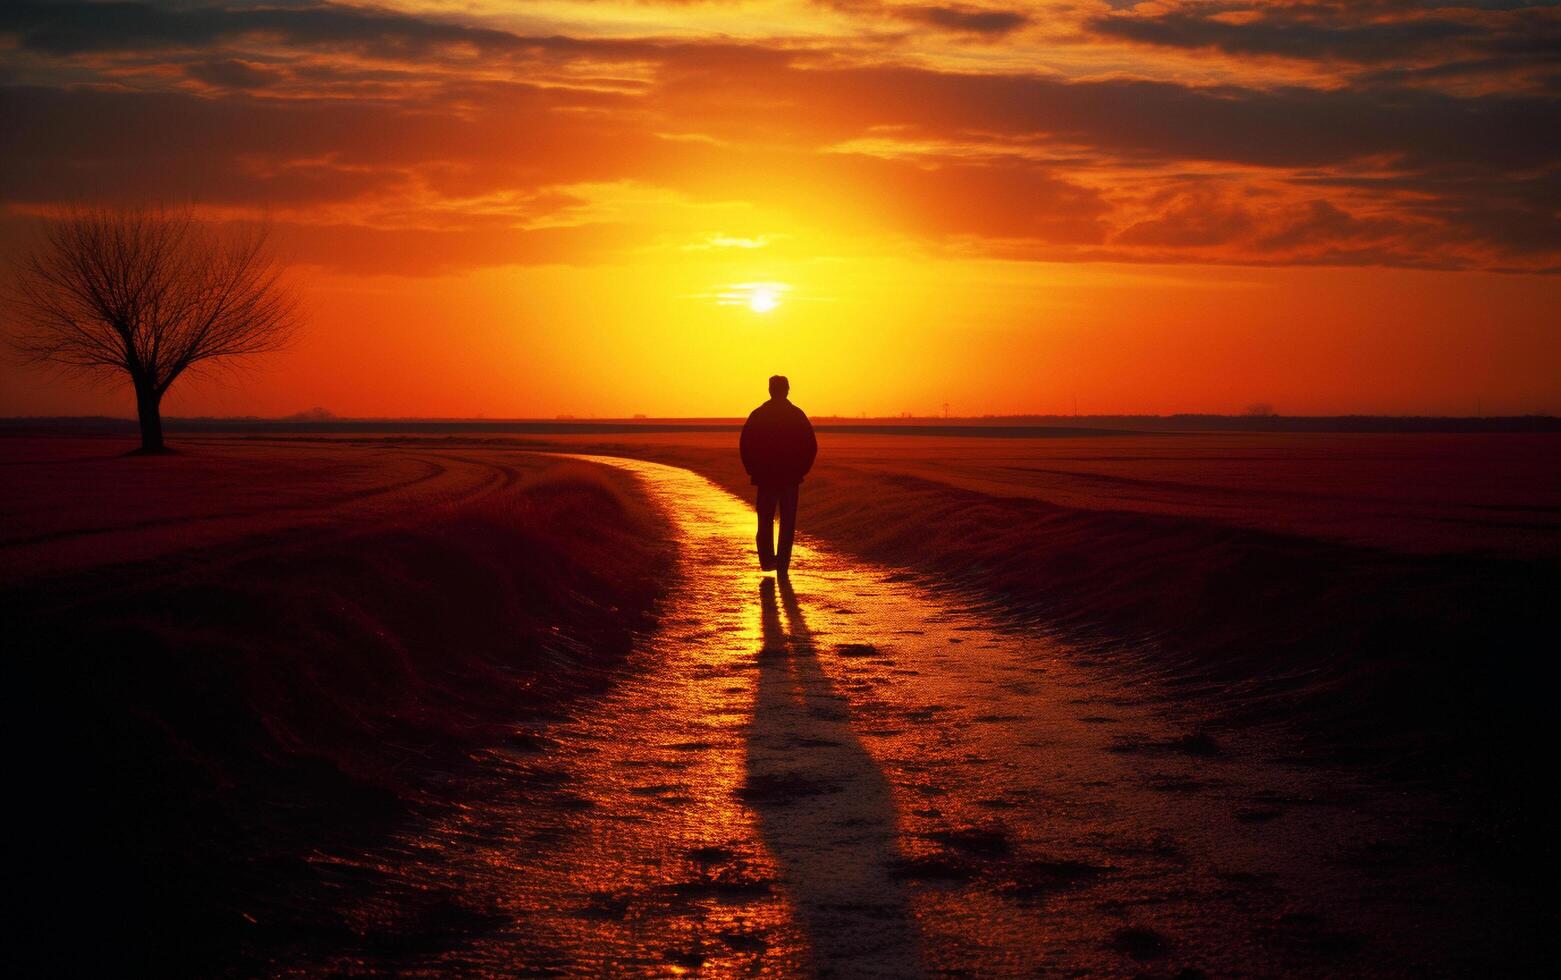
(847, 775)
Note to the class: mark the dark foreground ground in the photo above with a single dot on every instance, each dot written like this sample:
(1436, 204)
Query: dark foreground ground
(260, 651)
(228, 662)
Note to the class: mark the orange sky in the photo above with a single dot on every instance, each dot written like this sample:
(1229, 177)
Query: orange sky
(608, 207)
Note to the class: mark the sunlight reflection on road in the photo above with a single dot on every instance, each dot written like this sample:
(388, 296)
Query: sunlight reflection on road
(747, 824)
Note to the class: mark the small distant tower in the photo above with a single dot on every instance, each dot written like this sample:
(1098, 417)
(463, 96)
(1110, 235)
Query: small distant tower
(945, 409)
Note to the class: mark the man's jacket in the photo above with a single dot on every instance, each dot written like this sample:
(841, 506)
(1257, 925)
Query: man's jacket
(777, 445)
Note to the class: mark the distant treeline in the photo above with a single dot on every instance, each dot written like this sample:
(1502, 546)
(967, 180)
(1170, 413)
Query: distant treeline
(1016, 426)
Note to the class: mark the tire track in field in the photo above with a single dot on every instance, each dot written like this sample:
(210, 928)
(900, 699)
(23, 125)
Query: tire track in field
(205, 543)
(435, 471)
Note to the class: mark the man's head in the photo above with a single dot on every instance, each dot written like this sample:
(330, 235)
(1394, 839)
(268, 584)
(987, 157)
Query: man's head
(779, 386)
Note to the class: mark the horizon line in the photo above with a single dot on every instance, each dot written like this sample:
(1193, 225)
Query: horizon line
(329, 417)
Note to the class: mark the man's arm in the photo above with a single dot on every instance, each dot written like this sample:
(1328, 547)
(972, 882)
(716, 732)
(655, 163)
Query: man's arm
(745, 446)
(811, 445)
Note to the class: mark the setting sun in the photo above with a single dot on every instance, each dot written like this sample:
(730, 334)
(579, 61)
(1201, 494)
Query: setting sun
(763, 299)
(759, 297)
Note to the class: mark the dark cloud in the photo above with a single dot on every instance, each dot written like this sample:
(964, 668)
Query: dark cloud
(970, 20)
(1193, 217)
(75, 28)
(1215, 223)
(1144, 120)
(1401, 40)
(1321, 227)
(232, 73)
(1514, 216)
(239, 149)
(952, 18)
(1279, 34)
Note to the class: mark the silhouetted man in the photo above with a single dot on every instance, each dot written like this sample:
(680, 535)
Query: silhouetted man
(777, 447)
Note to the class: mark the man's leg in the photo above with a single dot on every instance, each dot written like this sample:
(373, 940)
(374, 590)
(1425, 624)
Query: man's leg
(788, 522)
(766, 537)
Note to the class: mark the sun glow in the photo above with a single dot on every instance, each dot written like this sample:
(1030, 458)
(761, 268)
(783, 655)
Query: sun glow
(759, 297)
(763, 299)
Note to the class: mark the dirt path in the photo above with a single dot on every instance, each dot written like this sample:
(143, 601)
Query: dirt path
(848, 776)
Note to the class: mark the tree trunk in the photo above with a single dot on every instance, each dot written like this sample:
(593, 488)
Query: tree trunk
(148, 407)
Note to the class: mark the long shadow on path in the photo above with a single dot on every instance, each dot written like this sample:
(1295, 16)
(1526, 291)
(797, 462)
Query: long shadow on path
(825, 809)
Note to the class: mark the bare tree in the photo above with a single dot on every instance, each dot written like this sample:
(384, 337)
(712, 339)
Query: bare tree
(150, 293)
